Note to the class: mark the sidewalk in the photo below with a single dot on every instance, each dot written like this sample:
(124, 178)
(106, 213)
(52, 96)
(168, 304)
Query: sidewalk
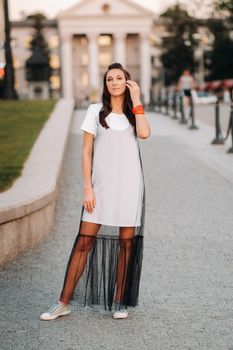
(206, 113)
(186, 294)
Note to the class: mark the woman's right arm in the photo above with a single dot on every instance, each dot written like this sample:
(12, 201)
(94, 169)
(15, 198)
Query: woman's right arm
(89, 200)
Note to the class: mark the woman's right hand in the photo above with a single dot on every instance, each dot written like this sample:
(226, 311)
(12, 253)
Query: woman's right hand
(89, 200)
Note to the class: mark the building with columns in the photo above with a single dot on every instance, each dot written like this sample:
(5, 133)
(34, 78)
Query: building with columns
(85, 39)
(95, 33)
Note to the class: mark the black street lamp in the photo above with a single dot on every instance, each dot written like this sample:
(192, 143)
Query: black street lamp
(9, 79)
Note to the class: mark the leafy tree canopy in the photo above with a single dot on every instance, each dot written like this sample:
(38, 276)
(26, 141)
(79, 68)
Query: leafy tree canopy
(225, 7)
(38, 36)
(179, 44)
(221, 66)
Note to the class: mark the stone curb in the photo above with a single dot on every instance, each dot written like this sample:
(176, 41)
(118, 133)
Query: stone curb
(27, 208)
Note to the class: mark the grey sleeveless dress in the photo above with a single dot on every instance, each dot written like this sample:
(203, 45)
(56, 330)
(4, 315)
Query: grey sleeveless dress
(118, 183)
(117, 178)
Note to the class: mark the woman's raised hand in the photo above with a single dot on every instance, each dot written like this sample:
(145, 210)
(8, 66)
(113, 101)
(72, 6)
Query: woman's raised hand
(134, 91)
(89, 200)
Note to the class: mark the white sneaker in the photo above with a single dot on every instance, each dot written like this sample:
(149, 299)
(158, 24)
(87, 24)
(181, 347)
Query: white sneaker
(120, 311)
(55, 311)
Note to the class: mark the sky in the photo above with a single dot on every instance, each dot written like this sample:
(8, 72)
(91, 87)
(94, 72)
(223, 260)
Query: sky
(52, 7)
(200, 8)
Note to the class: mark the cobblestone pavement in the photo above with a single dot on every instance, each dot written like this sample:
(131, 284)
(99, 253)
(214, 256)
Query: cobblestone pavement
(186, 294)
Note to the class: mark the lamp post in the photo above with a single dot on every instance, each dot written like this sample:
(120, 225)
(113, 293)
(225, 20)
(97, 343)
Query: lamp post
(202, 64)
(9, 79)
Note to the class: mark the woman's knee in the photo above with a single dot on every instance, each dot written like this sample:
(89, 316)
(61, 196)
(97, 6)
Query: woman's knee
(126, 237)
(126, 243)
(87, 235)
(85, 243)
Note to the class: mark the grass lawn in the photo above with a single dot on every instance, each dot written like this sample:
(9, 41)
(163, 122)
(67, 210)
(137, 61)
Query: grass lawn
(20, 124)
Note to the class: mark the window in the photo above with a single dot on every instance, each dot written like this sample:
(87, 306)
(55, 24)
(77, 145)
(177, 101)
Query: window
(53, 41)
(105, 58)
(54, 61)
(84, 59)
(83, 41)
(104, 40)
(85, 79)
(55, 82)
(16, 62)
(27, 41)
(17, 84)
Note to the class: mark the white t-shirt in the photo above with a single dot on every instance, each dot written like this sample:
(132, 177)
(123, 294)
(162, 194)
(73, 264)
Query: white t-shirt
(114, 121)
(186, 82)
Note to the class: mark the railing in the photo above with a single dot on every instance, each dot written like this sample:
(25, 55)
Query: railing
(172, 104)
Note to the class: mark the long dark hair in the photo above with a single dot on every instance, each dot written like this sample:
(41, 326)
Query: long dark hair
(106, 99)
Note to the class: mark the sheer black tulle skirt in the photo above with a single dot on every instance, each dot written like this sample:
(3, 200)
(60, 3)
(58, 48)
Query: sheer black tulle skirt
(105, 265)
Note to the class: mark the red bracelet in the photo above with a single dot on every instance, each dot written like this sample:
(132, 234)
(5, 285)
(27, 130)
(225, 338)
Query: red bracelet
(138, 109)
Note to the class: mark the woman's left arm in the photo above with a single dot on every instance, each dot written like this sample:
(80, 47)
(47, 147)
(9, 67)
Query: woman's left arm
(142, 125)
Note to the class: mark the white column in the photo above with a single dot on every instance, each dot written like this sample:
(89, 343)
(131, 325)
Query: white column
(120, 39)
(93, 67)
(145, 67)
(66, 66)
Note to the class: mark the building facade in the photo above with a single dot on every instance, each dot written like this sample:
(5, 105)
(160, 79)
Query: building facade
(84, 40)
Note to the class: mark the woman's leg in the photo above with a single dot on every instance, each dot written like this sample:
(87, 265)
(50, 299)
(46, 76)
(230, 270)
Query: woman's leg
(78, 258)
(126, 243)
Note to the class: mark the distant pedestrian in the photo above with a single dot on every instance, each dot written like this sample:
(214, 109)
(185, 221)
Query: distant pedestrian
(185, 84)
(106, 260)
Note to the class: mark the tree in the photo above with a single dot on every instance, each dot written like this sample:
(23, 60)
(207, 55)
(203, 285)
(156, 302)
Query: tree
(179, 45)
(221, 66)
(221, 57)
(38, 39)
(225, 7)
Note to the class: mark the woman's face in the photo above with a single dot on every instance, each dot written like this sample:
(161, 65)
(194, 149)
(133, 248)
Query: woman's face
(115, 81)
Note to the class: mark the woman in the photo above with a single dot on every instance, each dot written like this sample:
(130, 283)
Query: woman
(105, 263)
